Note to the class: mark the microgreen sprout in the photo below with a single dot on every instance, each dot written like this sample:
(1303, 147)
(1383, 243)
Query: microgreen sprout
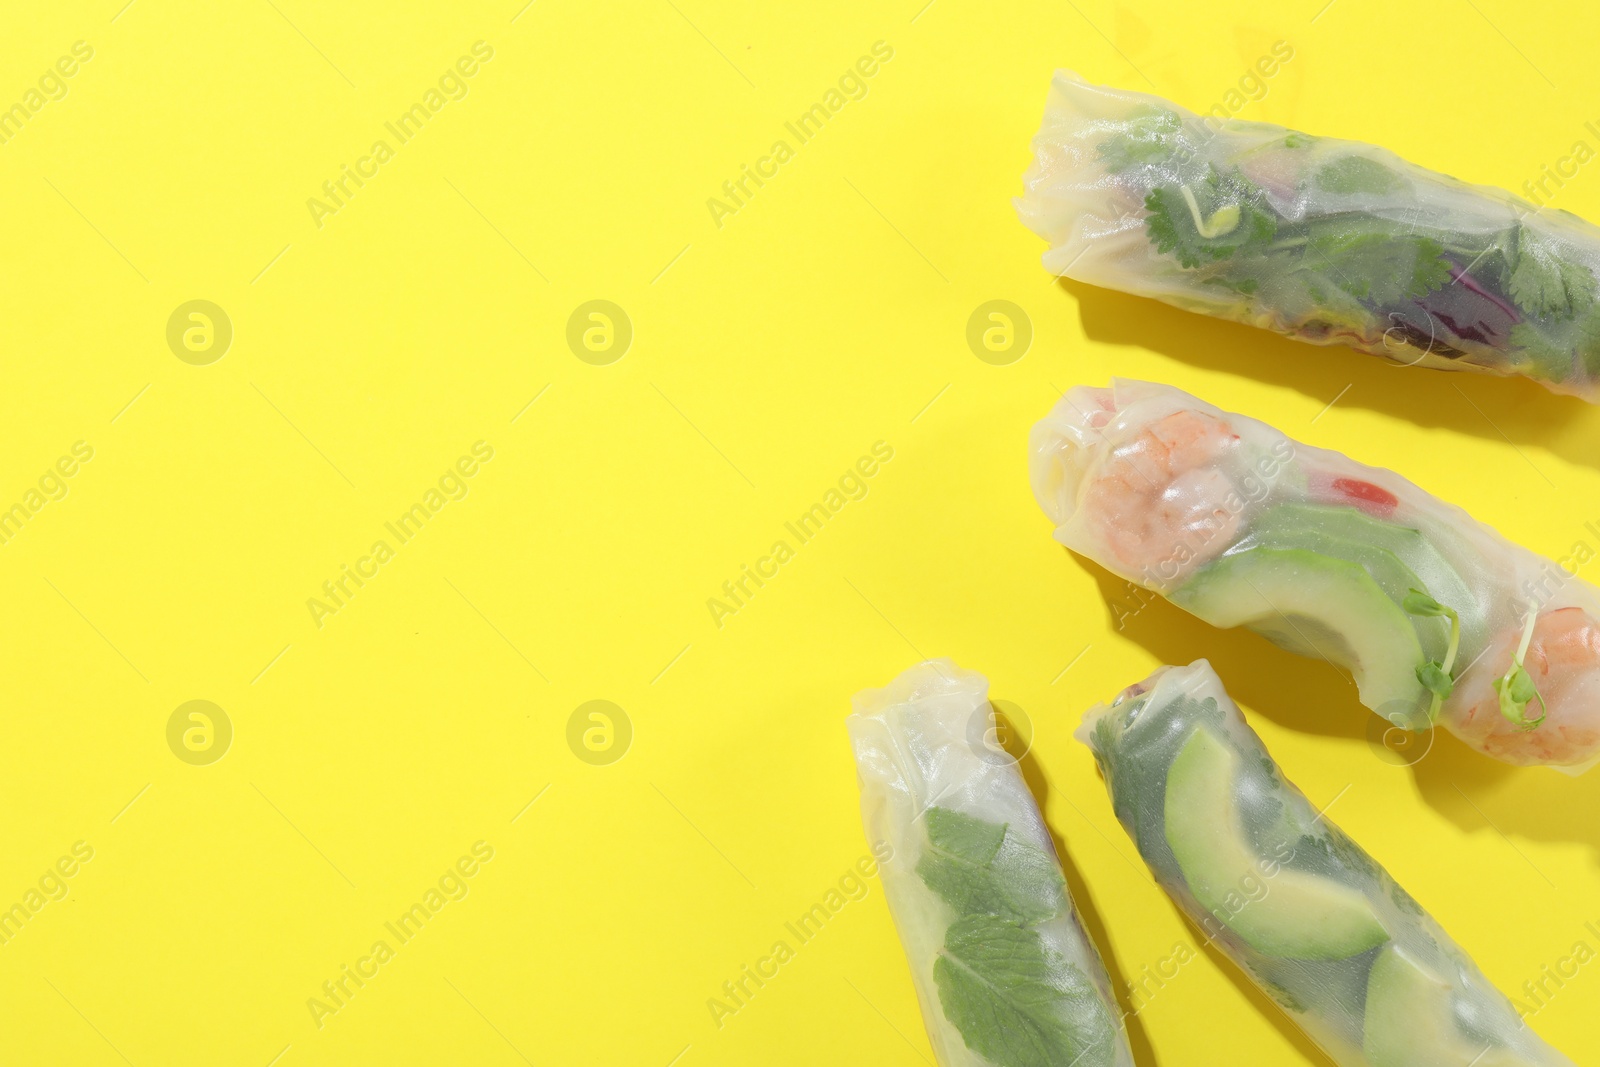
(1516, 687)
(1223, 221)
(1435, 675)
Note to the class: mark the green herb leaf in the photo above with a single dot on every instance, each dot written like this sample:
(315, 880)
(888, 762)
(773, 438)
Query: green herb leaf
(1516, 687)
(1209, 220)
(970, 839)
(1516, 691)
(1417, 602)
(1296, 139)
(1546, 283)
(1435, 680)
(1384, 268)
(1544, 354)
(1435, 677)
(1150, 136)
(1358, 174)
(1014, 1004)
(979, 868)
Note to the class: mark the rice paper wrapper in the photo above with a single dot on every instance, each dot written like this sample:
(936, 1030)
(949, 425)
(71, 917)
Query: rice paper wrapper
(1004, 971)
(1320, 239)
(1302, 909)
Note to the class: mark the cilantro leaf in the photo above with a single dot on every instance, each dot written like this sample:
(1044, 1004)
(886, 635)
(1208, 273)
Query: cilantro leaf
(1209, 221)
(1547, 356)
(978, 867)
(1384, 268)
(1150, 136)
(1546, 283)
(1358, 174)
(1014, 1004)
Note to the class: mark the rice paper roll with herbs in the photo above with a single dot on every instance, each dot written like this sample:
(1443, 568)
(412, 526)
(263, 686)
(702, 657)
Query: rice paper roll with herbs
(1004, 972)
(1439, 618)
(1324, 240)
(1314, 920)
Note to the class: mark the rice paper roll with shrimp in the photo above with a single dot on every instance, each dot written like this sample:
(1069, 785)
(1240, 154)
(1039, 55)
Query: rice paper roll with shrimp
(1004, 972)
(1317, 923)
(1320, 239)
(1439, 618)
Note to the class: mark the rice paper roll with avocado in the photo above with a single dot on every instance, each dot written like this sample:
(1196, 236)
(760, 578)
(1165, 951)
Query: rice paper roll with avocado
(1317, 923)
(1323, 240)
(1004, 972)
(1439, 618)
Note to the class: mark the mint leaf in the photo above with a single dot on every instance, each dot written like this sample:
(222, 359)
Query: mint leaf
(1296, 139)
(973, 840)
(1014, 1004)
(1209, 220)
(1546, 283)
(1150, 136)
(1384, 268)
(978, 868)
(1358, 174)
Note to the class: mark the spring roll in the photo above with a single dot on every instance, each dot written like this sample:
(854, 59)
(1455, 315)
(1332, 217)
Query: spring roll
(1004, 972)
(1439, 618)
(1324, 240)
(1285, 894)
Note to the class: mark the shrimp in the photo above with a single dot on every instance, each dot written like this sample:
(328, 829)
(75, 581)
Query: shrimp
(1160, 502)
(1564, 662)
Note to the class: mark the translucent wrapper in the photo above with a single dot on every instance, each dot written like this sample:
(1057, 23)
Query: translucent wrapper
(1327, 241)
(1314, 920)
(1440, 619)
(1005, 974)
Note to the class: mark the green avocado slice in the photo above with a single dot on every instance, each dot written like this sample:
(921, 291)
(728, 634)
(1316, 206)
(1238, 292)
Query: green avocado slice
(1323, 607)
(1352, 534)
(1300, 915)
(1409, 1023)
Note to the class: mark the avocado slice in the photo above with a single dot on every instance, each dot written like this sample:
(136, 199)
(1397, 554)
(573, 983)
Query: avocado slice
(1352, 534)
(1300, 915)
(1384, 567)
(1322, 607)
(1409, 1022)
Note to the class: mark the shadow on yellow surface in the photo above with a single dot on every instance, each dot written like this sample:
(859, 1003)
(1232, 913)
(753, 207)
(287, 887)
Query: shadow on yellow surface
(1456, 781)
(1083, 901)
(1482, 796)
(1089, 915)
(1256, 671)
(1512, 409)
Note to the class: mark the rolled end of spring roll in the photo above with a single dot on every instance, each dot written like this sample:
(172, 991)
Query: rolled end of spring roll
(1323, 240)
(1314, 920)
(1439, 618)
(1004, 972)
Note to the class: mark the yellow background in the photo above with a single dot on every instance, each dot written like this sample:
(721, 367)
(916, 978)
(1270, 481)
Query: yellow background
(768, 354)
